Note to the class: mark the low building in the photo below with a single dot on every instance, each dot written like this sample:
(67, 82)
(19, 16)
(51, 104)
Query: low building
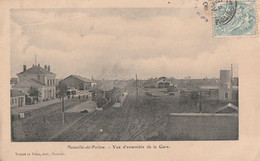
(213, 93)
(164, 84)
(202, 126)
(150, 84)
(229, 108)
(17, 98)
(210, 91)
(78, 82)
(37, 90)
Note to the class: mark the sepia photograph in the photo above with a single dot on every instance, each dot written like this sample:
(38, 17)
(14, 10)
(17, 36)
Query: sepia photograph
(123, 74)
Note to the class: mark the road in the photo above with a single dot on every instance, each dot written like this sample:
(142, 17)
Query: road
(138, 119)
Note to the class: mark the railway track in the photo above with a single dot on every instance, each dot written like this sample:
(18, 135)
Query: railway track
(147, 128)
(116, 124)
(72, 132)
(76, 132)
(121, 125)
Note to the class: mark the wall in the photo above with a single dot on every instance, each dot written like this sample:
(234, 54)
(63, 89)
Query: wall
(17, 101)
(24, 77)
(225, 85)
(45, 93)
(202, 126)
(44, 78)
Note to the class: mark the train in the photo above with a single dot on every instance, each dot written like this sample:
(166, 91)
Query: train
(105, 98)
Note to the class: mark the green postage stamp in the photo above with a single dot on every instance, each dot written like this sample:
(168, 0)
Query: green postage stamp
(234, 18)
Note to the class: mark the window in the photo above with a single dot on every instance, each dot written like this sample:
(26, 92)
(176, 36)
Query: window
(12, 101)
(226, 95)
(15, 100)
(48, 82)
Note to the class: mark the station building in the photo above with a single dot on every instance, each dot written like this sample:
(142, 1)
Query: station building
(38, 78)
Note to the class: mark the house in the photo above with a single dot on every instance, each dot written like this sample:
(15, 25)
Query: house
(78, 82)
(150, 83)
(17, 98)
(37, 82)
(164, 84)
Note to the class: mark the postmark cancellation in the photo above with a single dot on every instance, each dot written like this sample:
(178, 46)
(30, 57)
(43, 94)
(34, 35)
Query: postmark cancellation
(234, 18)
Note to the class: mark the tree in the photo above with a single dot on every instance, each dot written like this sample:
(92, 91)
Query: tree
(33, 92)
(62, 89)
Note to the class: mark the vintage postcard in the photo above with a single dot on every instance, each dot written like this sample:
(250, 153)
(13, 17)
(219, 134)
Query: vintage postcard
(151, 79)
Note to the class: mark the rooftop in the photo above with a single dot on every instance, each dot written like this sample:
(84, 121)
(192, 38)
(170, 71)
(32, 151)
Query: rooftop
(209, 87)
(203, 114)
(228, 106)
(215, 87)
(36, 69)
(16, 93)
(29, 83)
(80, 78)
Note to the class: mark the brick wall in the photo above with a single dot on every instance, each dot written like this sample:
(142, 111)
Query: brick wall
(202, 126)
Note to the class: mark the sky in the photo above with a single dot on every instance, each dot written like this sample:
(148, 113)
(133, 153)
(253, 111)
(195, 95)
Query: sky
(116, 43)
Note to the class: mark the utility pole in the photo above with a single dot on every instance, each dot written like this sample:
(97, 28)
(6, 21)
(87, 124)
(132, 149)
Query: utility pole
(62, 93)
(62, 108)
(136, 88)
(35, 61)
(231, 71)
(231, 85)
(200, 101)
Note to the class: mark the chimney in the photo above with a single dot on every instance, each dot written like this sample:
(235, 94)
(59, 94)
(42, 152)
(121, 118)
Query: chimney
(45, 67)
(231, 73)
(49, 68)
(24, 67)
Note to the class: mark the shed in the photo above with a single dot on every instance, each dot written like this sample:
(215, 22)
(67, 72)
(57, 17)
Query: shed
(77, 82)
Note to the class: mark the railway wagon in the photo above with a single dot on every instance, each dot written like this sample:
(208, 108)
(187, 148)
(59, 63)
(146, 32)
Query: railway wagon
(104, 98)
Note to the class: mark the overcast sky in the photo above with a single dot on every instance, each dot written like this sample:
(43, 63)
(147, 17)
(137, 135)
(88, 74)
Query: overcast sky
(117, 43)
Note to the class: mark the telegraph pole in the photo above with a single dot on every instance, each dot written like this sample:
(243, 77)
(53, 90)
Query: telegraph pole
(62, 93)
(136, 85)
(136, 89)
(62, 108)
(35, 61)
(200, 101)
(231, 85)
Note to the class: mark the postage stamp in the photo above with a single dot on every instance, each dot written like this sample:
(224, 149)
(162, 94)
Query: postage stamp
(234, 18)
